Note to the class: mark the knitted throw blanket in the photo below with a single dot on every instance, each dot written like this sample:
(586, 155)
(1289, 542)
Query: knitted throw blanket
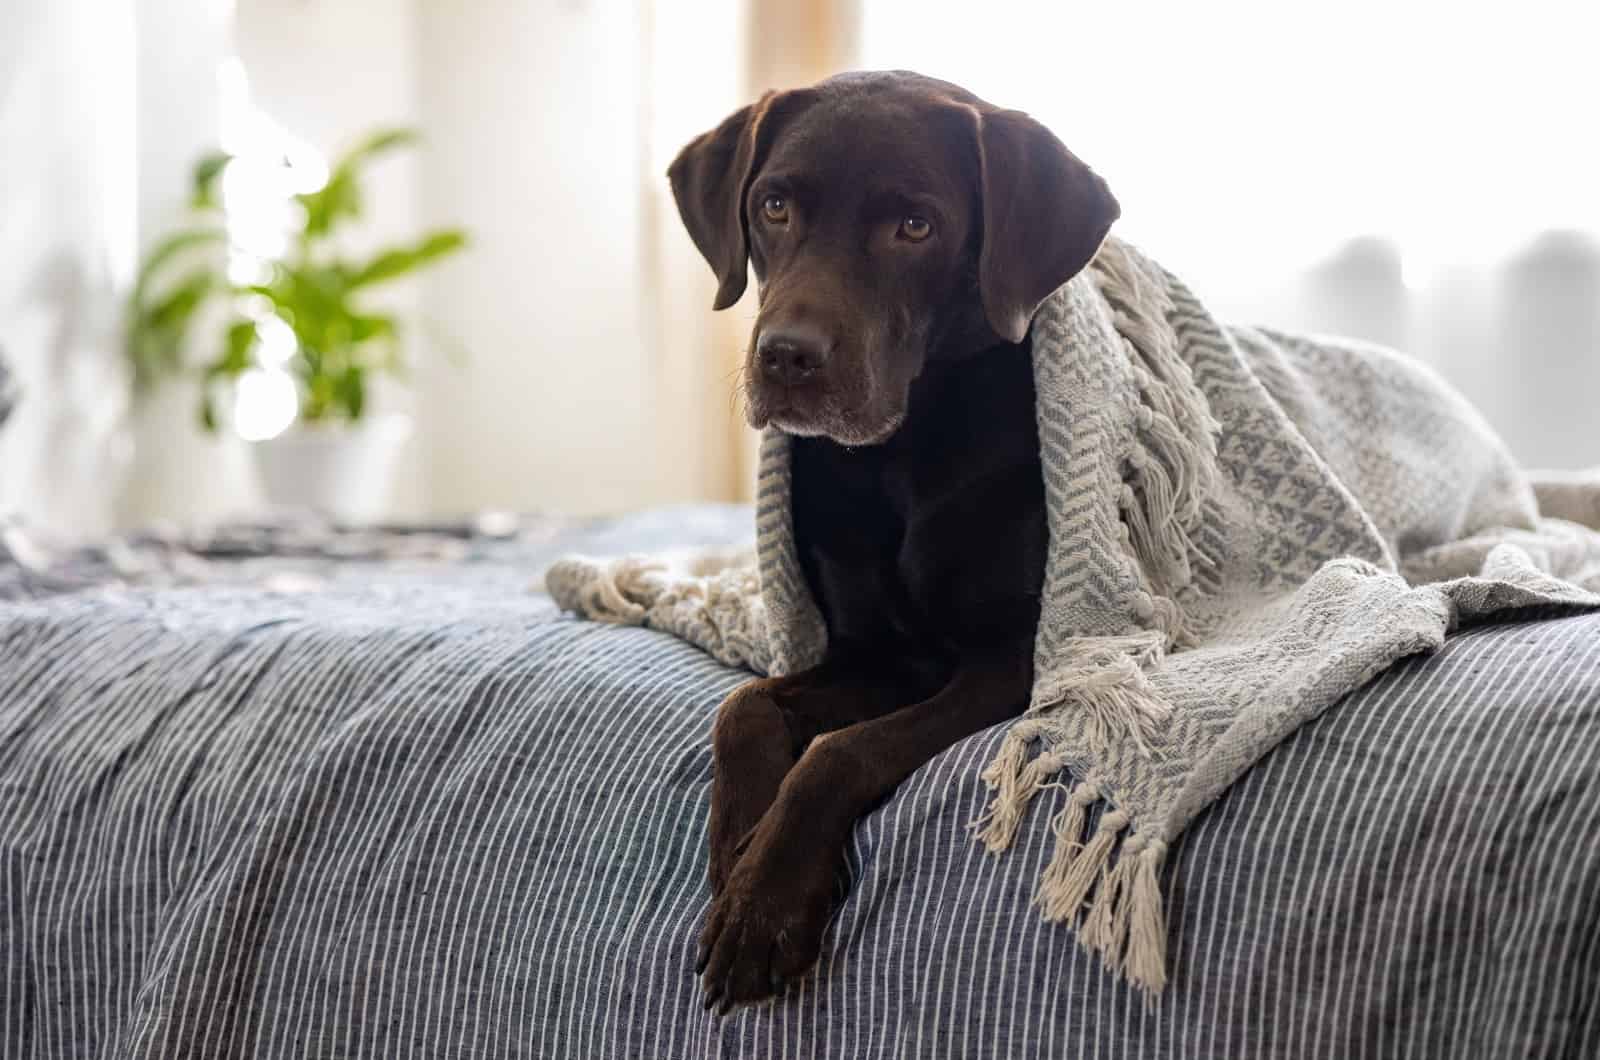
(1244, 526)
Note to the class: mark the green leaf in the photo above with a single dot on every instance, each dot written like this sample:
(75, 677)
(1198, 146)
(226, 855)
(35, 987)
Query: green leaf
(365, 328)
(207, 171)
(320, 388)
(160, 331)
(397, 261)
(149, 363)
(238, 341)
(168, 249)
(309, 298)
(351, 391)
(337, 199)
(156, 330)
(272, 292)
(173, 312)
(376, 143)
(341, 197)
(208, 412)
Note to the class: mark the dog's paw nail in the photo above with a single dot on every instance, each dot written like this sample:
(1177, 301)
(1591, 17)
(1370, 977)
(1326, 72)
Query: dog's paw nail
(777, 982)
(702, 957)
(712, 994)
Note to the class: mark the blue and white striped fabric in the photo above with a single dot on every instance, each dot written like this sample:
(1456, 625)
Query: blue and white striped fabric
(421, 814)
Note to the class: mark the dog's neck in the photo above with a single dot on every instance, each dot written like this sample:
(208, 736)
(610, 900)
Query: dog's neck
(965, 366)
(963, 335)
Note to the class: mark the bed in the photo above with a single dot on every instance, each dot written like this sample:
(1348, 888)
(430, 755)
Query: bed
(285, 791)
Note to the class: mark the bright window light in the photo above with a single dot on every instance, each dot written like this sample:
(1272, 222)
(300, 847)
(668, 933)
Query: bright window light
(275, 341)
(265, 403)
(1258, 134)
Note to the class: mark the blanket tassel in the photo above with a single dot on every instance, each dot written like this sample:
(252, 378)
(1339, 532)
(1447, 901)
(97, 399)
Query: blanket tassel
(1105, 927)
(1015, 785)
(614, 592)
(1072, 872)
(1124, 918)
(1145, 963)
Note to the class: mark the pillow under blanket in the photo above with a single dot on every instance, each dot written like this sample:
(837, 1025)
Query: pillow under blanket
(1244, 526)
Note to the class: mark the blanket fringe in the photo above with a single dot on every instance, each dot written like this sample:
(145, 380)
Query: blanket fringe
(1172, 462)
(703, 596)
(1105, 926)
(1073, 870)
(1104, 681)
(1015, 783)
(1113, 896)
(1068, 829)
(1145, 963)
(1142, 308)
(615, 592)
(1124, 920)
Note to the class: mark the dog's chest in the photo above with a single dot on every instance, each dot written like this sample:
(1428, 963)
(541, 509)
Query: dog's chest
(935, 538)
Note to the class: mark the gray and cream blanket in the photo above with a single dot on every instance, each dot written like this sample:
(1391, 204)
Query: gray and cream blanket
(1244, 526)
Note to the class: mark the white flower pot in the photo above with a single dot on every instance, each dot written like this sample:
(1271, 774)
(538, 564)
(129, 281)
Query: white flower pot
(347, 471)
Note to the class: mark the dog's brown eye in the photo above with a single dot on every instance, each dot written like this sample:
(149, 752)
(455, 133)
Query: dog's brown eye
(775, 208)
(915, 229)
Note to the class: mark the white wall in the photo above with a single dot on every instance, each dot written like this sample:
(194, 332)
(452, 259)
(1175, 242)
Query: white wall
(533, 116)
(327, 70)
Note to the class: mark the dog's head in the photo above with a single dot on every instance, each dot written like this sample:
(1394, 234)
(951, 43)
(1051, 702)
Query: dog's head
(890, 218)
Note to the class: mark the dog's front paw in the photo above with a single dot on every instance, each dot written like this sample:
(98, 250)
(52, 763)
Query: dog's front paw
(763, 930)
(725, 854)
(751, 756)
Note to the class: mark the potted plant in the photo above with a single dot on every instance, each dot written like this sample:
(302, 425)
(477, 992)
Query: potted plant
(260, 305)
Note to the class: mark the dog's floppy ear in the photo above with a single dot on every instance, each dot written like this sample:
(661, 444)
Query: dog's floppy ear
(1045, 214)
(709, 179)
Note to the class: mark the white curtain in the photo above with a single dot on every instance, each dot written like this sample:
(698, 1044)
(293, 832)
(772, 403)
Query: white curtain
(1418, 173)
(104, 105)
(66, 250)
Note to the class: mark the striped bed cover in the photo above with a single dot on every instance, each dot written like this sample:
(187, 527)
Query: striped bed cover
(422, 814)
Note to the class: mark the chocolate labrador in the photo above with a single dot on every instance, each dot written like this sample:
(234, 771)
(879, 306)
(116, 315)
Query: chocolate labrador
(902, 232)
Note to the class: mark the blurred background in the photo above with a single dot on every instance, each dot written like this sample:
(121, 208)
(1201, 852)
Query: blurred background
(513, 316)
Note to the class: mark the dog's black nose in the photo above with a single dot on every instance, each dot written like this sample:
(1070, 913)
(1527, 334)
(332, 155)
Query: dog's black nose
(790, 355)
